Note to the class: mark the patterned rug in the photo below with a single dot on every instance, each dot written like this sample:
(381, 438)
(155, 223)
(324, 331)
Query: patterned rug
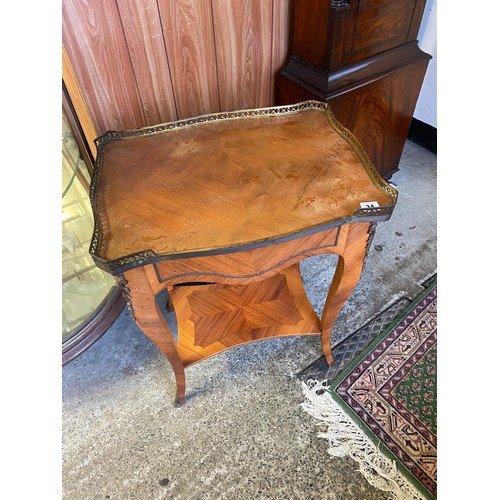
(381, 410)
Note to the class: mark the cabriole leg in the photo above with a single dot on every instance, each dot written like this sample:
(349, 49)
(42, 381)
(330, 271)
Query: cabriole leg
(347, 274)
(151, 321)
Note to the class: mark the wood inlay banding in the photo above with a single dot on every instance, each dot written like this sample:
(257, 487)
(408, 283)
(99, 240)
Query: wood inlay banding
(219, 210)
(251, 265)
(213, 318)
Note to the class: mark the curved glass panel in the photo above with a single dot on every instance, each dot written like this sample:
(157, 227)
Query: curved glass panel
(84, 286)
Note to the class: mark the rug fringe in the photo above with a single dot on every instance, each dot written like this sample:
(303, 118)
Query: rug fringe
(346, 439)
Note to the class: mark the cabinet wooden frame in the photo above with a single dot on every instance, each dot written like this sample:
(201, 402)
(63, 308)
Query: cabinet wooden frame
(362, 58)
(85, 335)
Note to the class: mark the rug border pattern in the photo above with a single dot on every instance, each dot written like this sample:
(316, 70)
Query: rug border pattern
(365, 359)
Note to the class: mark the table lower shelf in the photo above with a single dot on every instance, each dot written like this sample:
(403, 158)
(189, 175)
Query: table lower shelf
(213, 318)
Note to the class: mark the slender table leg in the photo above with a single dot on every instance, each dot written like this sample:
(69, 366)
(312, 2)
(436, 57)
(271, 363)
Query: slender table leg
(151, 321)
(347, 274)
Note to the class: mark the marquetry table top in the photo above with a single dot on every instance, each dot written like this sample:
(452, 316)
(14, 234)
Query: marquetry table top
(228, 181)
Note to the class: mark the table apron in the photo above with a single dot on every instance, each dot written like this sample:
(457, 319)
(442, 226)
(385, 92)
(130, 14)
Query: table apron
(246, 266)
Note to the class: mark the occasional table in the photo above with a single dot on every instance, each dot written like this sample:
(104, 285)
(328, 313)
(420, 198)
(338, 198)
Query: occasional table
(219, 210)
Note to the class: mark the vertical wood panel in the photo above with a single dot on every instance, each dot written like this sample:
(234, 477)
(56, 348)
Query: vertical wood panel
(94, 40)
(280, 41)
(78, 103)
(140, 62)
(188, 31)
(243, 36)
(144, 36)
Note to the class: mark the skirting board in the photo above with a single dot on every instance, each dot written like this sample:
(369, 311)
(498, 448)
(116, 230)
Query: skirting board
(423, 134)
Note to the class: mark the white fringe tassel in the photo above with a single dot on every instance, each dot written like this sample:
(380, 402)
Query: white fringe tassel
(346, 439)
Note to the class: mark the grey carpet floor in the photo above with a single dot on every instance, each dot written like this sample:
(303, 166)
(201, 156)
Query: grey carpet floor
(242, 433)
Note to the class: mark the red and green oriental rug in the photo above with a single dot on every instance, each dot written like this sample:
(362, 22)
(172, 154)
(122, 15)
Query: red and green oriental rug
(381, 410)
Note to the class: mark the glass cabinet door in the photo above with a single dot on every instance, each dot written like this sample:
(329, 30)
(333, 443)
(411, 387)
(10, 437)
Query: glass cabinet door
(89, 295)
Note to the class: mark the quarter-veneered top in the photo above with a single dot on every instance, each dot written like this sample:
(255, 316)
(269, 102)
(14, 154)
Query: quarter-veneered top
(228, 181)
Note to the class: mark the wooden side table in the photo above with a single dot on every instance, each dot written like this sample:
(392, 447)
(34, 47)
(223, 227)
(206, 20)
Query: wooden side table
(219, 210)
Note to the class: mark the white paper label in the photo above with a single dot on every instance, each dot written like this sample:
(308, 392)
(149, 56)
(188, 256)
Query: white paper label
(369, 204)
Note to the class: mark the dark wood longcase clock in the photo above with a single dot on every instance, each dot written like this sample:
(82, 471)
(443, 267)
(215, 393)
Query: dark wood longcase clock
(362, 57)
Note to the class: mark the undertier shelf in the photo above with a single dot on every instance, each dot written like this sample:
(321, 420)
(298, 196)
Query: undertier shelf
(213, 318)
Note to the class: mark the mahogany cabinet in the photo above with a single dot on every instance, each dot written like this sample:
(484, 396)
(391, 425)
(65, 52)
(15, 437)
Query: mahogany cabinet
(363, 59)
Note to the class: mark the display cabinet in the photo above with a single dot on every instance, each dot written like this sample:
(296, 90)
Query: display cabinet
(91, 299)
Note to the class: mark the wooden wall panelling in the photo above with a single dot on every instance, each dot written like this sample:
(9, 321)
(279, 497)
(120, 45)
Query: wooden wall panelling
(189, 39)
(144, 36)
(78, 103)
(94, 40)
(281, 29)
(142, 62)
(243, 41)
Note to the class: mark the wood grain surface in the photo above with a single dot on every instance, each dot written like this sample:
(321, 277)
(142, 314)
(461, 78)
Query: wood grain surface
(78, 103)
(228, 183)
(379, 113)
(249, 266)
(382, 32)
(365, 62)
(213, 318)
(143, 62)
(243, 39)
(144, 38)
(150, 319)
(345, 279)
(281, 46)
(189, 38)
(94, 40)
